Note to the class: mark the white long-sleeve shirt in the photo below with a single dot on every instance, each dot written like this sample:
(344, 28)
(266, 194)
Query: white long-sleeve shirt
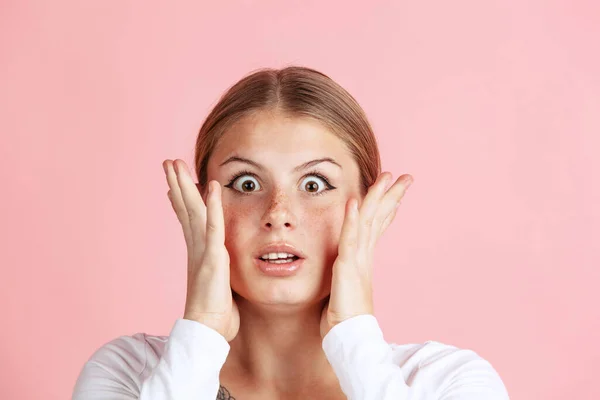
(186, 364)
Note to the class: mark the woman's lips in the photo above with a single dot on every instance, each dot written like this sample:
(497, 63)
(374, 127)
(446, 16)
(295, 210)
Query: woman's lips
(283, 269)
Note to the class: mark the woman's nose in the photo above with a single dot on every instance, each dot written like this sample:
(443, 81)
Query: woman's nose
(279, 214)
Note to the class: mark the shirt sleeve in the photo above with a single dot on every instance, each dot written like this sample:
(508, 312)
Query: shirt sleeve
(367, 369)
(188, 368)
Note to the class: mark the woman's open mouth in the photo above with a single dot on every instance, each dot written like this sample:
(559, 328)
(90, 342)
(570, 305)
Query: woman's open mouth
(280, 260)
(280, 266)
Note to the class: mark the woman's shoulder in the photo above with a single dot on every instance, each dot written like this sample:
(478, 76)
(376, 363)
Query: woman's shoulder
(136, 351)
(443, 363)
(429, 352)
(122, 364)
(119, 364)
(141, 351)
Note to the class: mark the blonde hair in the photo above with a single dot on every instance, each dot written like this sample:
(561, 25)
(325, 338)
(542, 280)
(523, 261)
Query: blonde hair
(295, 91)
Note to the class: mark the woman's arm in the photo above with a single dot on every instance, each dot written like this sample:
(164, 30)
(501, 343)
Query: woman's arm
(188, 368)
(368, 367)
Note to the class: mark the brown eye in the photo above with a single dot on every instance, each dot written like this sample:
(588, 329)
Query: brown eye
(311, 187)
(246, 185)
(311, 184)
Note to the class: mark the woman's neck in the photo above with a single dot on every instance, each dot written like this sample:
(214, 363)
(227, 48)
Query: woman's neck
(277, 346)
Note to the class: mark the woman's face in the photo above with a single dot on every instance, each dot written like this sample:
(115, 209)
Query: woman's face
(277, 202)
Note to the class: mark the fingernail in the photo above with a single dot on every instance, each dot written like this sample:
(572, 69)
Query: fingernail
(210, 189)
(408, 182)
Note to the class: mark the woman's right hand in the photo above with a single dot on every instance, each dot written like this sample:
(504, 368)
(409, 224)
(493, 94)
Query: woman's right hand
(209, 298)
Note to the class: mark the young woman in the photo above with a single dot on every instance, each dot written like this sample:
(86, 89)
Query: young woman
(280, 233)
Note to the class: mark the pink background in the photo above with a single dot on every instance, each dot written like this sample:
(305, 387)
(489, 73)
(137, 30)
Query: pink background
(493, 107)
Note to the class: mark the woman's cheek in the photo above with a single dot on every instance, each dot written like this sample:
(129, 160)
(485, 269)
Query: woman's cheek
(326, 222)
(231, 219)
(238, 223)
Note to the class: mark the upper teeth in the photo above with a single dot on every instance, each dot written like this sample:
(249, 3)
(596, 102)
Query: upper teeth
(274, 256)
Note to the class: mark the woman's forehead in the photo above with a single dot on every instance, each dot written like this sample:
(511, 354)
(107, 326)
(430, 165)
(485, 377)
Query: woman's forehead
(279, 130)
(281, 138)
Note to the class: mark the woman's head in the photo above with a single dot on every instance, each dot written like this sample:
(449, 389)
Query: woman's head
(261, 131)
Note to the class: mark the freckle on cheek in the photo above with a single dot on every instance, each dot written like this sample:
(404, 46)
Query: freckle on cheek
(318, 218)
(234, 216)
(230, 216)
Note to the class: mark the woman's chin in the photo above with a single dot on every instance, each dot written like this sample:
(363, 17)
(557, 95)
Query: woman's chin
(283, 297)
(303, 290)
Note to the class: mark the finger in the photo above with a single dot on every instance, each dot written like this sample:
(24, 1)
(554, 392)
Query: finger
(176, 199)
(388, 207)
(196, 210)
(348, 245)
(369, 207)
(387, 222)
(215, 223)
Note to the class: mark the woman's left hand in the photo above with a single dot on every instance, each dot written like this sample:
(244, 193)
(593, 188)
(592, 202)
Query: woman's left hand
(351, 285)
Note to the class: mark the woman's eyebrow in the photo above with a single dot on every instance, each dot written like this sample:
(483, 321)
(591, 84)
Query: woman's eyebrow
(298, 168)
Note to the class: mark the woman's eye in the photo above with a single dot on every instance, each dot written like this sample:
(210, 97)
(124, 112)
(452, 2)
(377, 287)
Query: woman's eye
(246, 185)
(311, 184)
